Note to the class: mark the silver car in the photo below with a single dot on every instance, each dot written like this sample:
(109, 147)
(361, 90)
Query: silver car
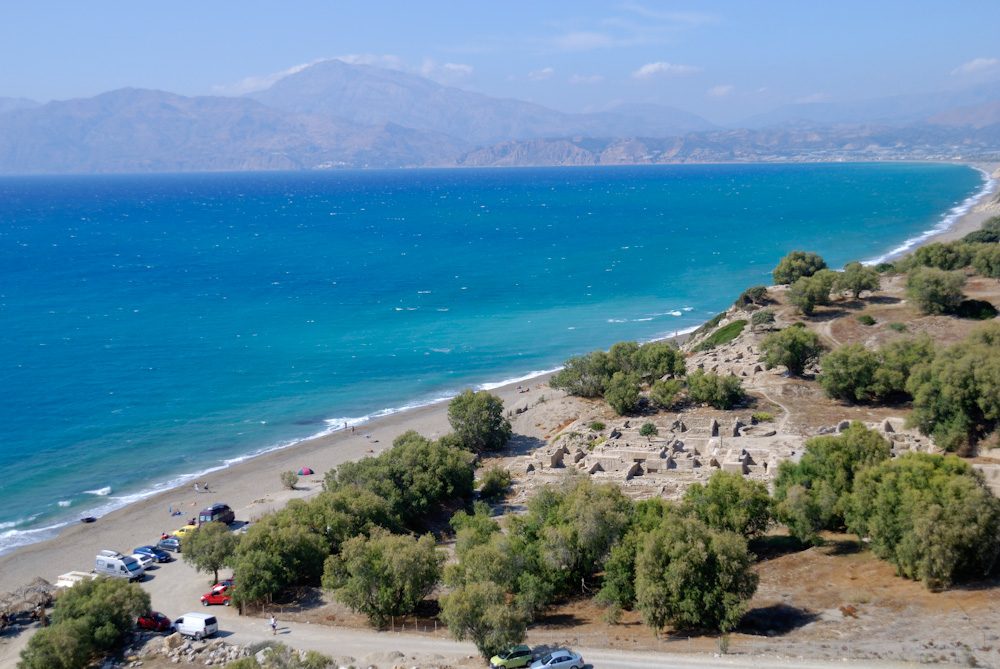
(559, 659)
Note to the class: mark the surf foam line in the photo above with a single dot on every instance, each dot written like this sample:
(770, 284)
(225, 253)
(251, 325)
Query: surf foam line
(947, 221)
(14, 538)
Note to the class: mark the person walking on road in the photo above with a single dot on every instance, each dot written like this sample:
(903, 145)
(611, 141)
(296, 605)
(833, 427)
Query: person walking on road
(274, 625)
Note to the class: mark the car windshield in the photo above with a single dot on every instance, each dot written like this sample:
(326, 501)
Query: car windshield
(546, 659)
(505, 654)
(134, 566)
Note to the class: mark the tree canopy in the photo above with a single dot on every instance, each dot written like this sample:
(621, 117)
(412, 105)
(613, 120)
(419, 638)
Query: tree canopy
(210, 548)
(793, 347)
(934, 291)
(478, 421)
(795, 265)
(732, 503)
(857, 278)
(931, 516)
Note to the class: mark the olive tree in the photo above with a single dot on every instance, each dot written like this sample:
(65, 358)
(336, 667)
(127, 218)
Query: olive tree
(210, 548)
(721, 392)
(793, 347)
(934, 291)
(732, 503)
(857, 278)
(931, 516)
(478, 421)
(622, 393)
(482, 612)
(384, 575)
(795, 265)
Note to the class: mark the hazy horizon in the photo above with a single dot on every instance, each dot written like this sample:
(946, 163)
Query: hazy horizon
(725, 61)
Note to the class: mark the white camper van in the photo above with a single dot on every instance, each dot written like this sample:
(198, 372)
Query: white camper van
(124, 566)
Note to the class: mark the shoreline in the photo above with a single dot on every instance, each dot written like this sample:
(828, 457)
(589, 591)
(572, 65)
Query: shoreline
(251, 484)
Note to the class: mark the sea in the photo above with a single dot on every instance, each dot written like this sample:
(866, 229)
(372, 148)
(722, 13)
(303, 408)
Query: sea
(156, 328)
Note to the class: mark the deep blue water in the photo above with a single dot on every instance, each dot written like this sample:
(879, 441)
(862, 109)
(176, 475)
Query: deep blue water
(195, 319)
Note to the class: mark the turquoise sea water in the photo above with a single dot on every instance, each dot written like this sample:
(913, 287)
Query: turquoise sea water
(156, 327)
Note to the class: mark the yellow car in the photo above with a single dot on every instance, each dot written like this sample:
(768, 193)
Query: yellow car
(184, 531)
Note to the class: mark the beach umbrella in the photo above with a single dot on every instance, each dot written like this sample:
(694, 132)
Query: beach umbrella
(305, 471)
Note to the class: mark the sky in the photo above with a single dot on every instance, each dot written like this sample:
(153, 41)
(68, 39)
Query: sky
(722, 60)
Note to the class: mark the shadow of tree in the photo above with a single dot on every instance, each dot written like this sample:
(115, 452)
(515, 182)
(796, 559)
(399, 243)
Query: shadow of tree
(775, 620)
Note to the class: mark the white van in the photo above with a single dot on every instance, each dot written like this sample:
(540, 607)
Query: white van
(197, 625)
(119, 567)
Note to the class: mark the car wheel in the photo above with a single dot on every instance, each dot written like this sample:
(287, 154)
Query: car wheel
(204, 602)
(197, 636)
(226, 602)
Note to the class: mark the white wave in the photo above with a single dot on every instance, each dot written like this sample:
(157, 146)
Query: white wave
(64, 502)
(673, 313)
(618, 320)
(688, 308)
(100, 492)
(13, 539)
(640, 320)
(948, 220)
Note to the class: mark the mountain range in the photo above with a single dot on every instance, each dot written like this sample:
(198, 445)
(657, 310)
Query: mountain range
(338, 115)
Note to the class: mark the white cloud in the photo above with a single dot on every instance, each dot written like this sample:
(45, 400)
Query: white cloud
(580, 79)
(253, 84)
(541, 75)
(721, 91)
(581, 41)
(661, 68)
(685, 18)
(973, 66)
(815, 97)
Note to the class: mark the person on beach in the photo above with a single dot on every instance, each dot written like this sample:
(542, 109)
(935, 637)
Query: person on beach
(274, 625)
(196, 488)
(206, 486)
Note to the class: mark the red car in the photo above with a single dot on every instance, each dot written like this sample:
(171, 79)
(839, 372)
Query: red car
(217, 596)
(155, 621)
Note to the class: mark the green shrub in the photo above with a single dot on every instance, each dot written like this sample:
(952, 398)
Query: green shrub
(751, 296)
(811, 495)
(723, 335)
(987, 261)
(946, 256)
(597, 426)
(732, 503)
(494, 483)
(795, 265)
(721, 392)
(954, 394)
(857, 278)
(886, 268)
(384, 575)
(478, 421)
(810, 291)
(854, 373)
(762, 317)
(865, 319)
(622, 393)
(898, 327)
(289, 479)
(977, 310)
(666, 393)
(648, 430)
(762, 417)
(988, 234)
(793, 347)
(934, 291)
(931, 516)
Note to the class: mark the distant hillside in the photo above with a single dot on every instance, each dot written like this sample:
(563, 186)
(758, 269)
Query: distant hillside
(794, 142)
(10, 104)
(370, 95)
(978, 117)
(133, 130)
(890, 110)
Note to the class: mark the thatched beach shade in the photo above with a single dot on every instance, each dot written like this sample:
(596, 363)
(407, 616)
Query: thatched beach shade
(6, 601)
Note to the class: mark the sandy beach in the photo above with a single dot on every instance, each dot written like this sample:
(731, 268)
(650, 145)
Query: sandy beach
(252, 488)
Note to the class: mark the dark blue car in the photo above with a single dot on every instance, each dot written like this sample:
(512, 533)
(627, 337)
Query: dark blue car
(158, 554)
(170, 544)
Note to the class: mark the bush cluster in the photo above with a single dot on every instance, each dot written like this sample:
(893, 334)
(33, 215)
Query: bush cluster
(619, 374)
(721, 392)
(91, 618)
(723, 335)
(955, 393)
(930, 516)
(855, 373)
(810, 495)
